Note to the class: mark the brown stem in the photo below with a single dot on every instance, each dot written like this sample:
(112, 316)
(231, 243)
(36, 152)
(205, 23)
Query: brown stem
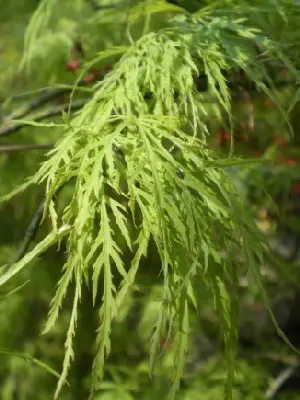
(22, 147)
(30, 233)
(11, 127)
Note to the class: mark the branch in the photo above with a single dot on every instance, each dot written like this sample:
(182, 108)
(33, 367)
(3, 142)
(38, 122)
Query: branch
(30, 233)
(21, 147)
(9, 128)
(43, 99)
(98, 7)
(284, 375)
(48, 95)
(32, 229)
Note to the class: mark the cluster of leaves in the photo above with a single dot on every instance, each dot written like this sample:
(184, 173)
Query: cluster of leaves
(140, 169)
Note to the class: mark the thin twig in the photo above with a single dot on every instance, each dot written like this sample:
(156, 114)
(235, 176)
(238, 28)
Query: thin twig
(30, 233)
(10, 127)
(284, 375)
(32, 229)
(43, 99)
(22, 147)
(47, 96)
(98, 7)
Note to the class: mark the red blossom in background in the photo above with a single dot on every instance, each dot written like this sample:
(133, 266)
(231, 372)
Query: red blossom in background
(91, 77)
(269, 103)
(249, 126)
(73, 65)
(223, 136)
(280, 142)
(166, 344)
(97, 74)
(297, 188)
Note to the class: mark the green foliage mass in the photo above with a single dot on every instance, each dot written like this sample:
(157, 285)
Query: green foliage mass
(133, 176)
